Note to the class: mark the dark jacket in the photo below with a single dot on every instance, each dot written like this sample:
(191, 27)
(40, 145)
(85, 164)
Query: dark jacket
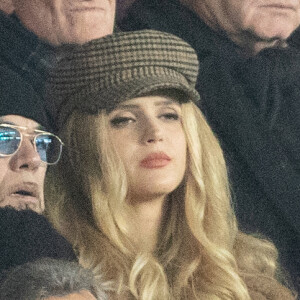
(22, 51)
(253, 105)
(26, 236)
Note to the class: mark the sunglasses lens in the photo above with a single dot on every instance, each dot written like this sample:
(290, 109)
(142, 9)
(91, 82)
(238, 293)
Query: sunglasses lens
(10, 140)
(48, 147)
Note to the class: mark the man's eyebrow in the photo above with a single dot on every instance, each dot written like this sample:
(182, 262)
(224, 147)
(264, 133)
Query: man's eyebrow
(41, 127)
(38, 127)
(7, 122)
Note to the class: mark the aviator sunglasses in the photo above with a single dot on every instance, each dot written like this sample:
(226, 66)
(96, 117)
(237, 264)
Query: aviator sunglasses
(46, 144)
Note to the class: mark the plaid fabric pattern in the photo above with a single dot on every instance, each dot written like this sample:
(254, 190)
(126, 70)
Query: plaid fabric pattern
(107, 71)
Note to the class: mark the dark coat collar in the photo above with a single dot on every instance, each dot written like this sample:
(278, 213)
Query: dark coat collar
(23, 52)
(186, 24)
(24, 41)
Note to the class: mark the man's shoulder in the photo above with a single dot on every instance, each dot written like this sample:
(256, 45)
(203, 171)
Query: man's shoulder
(26, 235)
(152, 14)
(23, 52)
(294, 39)
(170, 16)
(22, 222)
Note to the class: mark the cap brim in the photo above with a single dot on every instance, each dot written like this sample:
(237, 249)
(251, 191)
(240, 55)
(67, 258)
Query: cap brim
(109, 98)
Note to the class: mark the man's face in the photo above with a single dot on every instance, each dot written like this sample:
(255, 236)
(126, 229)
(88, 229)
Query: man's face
(264, 20)
(22, 174)
(82, 295)
(6, 6)
(67, 21)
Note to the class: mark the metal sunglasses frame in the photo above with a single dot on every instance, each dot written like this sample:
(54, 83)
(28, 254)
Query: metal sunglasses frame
(36, 134)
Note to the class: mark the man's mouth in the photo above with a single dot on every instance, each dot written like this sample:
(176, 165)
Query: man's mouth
(283, 6)
(86, 9)
(25, 198)
(23, 193)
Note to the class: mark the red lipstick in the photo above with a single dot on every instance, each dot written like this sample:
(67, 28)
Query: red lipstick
(155, 160)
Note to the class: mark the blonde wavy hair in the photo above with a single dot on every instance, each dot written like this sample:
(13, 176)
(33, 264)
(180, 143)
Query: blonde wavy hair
(200, 252)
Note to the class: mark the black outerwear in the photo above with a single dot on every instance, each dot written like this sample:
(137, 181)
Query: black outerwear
(253, 105)
(17, 97)
(24, 53)
(26, 236)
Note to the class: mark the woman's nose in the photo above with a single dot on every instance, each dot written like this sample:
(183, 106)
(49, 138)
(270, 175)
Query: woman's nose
(152, 132)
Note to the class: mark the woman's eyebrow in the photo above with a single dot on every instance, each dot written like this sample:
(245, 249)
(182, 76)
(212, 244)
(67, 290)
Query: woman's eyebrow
(165, 103)
(126, 106)
(157, 103)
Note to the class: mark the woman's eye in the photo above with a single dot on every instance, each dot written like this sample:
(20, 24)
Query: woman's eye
(171, 116)
(121, 121)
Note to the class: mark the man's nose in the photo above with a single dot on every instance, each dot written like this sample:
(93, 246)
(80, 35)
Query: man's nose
(152, 132)
(26, 158)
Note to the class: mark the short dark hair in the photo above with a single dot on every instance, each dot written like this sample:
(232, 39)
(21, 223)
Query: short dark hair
(49, 277)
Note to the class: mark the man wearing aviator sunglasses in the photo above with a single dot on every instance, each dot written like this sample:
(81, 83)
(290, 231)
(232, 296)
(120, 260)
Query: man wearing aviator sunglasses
(26, 145)
(26, 148)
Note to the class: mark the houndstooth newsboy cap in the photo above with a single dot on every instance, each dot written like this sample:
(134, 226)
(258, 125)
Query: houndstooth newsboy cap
(125, 65)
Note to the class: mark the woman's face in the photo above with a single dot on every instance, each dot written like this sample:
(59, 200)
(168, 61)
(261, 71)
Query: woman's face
(148, 136)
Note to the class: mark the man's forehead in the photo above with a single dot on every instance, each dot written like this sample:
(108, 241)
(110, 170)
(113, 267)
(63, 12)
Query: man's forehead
(82, 295)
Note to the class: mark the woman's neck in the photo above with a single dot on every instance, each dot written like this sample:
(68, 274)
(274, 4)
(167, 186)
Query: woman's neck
(145, 219)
